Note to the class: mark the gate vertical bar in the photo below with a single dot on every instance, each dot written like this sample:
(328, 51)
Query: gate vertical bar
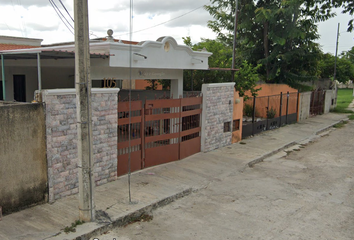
(267, 115)
(297, 106)
(180, 128)
(287, 106)
(254, 113)
(281, 106)
(3, 78)
(142, 135)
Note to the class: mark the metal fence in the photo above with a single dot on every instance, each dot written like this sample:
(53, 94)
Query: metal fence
(269, 112)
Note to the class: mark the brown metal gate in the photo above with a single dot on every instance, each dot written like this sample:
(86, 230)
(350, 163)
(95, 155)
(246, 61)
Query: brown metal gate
(162, 131)
(317, 102)
(190, 132)
(136, 139)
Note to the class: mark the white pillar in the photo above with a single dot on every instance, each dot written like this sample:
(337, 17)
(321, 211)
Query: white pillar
(176, 88)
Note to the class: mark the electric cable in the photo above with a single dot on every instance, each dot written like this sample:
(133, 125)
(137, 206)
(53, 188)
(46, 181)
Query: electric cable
(66, 10)
(56, 10)
(165, 21)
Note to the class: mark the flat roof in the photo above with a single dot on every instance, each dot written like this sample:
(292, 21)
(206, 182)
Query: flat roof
(46, 54)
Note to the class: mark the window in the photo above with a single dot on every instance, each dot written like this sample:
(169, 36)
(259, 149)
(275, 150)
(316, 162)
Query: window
(227, 126)
(236, 125)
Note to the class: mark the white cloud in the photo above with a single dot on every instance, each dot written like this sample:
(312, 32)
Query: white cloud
(37, 19)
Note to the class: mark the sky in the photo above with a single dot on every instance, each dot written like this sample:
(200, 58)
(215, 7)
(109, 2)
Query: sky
(151, 19)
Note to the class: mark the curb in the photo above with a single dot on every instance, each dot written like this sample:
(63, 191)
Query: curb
(261, 158)
(137, 215)
(328, 127)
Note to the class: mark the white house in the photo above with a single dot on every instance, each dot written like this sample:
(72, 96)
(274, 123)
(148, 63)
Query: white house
(26, 70)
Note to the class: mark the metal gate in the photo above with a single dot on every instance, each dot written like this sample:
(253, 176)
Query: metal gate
(136, 136)
(162, 131)
(317, 102)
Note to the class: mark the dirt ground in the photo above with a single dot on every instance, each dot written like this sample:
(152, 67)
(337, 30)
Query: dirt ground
(305, 192)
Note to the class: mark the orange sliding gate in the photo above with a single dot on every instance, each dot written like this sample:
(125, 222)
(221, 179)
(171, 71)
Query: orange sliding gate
(162, 131)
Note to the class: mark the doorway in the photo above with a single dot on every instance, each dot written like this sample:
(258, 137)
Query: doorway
(20, 88)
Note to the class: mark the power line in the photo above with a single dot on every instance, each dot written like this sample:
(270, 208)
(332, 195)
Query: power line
(61, 16)
(66, 10)
(165, 21)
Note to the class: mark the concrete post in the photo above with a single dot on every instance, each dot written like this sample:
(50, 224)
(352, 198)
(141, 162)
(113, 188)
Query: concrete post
(84, 111)
(177, 88)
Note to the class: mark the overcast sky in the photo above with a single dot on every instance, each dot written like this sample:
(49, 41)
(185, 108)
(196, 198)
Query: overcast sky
(176, 18)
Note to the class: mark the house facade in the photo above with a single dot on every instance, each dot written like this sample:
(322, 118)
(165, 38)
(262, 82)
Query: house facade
(50, 67)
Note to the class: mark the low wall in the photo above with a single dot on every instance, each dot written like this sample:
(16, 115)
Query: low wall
(61, 129)
(217, 113)
(304, 106)
(23, 170)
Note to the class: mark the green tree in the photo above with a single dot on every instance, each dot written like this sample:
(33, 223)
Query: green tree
(153, 84)
(348, 6)
(349, 55)
(246, 79)
(278, 34)
(221, 58)
(344, 71)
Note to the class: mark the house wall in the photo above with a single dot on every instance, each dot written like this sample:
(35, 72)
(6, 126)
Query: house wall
(23, 170)
(217, 110)
(304, 106)
(142, 84)
(272, 89)
(61, 132)
(52, 77)
(237, 115)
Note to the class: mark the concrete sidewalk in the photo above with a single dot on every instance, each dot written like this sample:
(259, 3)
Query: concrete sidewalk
(158, 186)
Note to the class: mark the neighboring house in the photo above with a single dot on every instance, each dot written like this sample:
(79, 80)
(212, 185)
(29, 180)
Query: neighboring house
(13, 43)
(53, 66)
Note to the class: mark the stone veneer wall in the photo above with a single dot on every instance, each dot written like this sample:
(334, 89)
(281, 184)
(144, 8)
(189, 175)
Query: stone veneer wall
(61, 135)
(217, 109)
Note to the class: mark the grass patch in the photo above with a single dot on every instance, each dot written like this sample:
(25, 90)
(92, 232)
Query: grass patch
(344, 98)
(73, 226)
(351, 116)
(340, 125)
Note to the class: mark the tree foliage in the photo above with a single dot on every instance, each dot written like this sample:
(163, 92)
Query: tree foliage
(278, 34)
(344, 69)
(154, 83)
(221, 58)
(246, 79)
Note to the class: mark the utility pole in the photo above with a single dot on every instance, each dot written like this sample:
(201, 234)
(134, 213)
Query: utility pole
(234, 45)
(335, 59)
(335, 63)
(84, 111)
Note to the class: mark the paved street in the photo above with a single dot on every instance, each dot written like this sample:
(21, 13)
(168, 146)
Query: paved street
(304, 192)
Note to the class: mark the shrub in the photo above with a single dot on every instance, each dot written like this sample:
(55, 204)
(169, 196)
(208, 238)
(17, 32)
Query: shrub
(248, 110)
(271, 113)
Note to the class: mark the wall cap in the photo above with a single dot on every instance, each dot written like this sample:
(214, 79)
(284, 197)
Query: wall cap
(72, 91)
(219, 84)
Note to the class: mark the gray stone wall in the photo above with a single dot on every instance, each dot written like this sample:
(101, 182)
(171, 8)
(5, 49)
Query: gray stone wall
(23, 166)
(304, 105)
(61, 130)
(217, 110)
